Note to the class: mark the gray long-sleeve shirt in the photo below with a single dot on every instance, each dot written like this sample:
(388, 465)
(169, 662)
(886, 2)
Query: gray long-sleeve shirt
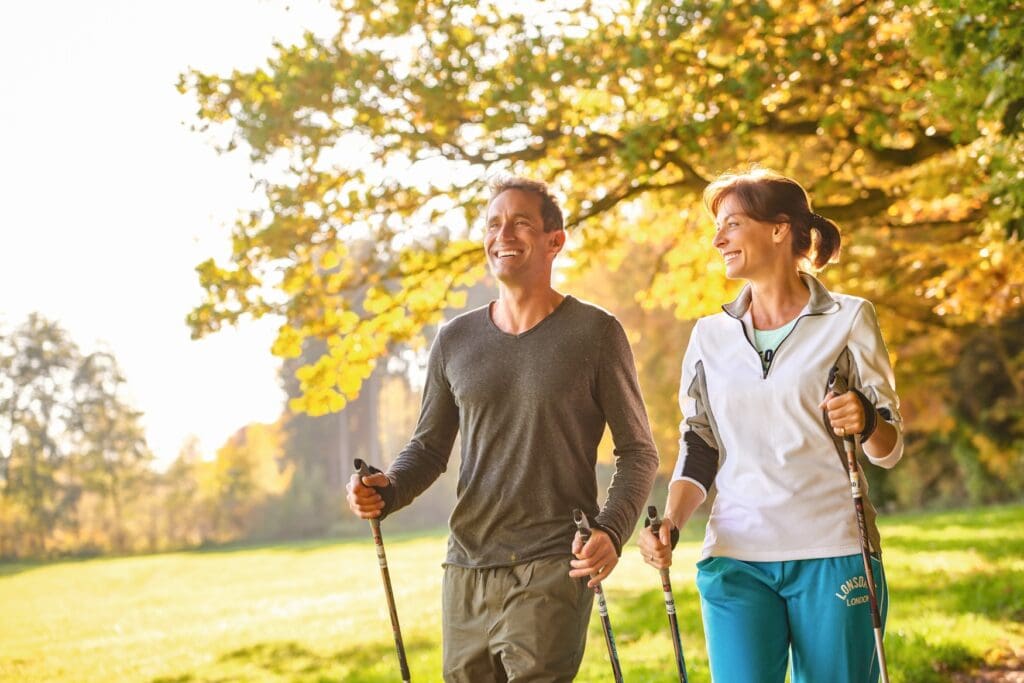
(532, 409)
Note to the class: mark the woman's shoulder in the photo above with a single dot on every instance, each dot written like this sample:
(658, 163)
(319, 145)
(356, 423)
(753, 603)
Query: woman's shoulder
(716, 321)
(853, 306)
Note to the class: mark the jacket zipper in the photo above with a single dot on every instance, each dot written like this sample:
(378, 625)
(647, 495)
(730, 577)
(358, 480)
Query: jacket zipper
(751, 343)
(775, 352)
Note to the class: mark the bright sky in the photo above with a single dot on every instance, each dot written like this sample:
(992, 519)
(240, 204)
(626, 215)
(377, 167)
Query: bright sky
(108, 200)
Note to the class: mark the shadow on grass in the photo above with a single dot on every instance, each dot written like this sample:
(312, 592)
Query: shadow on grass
(992, 549)
(919, 661)
(640, 616)
(998, 595)
(13, 568)
(636, 614)
(995, 516)
(291, 661)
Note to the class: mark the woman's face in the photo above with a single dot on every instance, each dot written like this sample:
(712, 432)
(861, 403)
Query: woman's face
(748, 246)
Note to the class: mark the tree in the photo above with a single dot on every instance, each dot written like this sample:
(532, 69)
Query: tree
(37, 367)
(903, 118)
(248, 474)
(110, 455)
(180, 497)
(70, 433)
(629, 109)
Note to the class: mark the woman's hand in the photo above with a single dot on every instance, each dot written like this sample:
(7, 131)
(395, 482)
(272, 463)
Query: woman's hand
(845, 413)
(657, 550)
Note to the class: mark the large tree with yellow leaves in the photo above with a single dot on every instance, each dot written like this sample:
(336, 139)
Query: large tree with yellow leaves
(902, 118)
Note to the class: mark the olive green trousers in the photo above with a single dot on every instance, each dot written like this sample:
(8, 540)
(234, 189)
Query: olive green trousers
(527, 622)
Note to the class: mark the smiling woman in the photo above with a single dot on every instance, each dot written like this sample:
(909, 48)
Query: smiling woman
(781, 538)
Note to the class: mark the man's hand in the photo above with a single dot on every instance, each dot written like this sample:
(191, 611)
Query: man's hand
(363, 499)
(657, 550)
(596, 559)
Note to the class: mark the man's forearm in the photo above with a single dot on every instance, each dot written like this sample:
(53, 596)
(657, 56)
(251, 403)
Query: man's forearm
(631, 485)
(412, 472)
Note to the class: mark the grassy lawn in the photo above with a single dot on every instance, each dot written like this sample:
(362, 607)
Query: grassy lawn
(315, 611)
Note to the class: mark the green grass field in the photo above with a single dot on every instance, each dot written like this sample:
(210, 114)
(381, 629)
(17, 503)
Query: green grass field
(315, 611)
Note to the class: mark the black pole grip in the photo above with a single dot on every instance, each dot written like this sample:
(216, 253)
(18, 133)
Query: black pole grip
(836, 382)
(364, 469)
(837, 385)
(581, 524)
(653, 520)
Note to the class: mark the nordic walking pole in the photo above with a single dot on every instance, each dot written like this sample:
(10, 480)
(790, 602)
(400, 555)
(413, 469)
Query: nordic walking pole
(602, 607)
(385, 575)
(837, 385)
(670, 603)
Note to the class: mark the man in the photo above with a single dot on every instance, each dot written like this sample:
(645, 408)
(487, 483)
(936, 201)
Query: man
(530, 380)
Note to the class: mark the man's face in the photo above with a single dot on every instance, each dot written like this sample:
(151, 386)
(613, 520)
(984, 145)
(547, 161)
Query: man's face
(518, 250)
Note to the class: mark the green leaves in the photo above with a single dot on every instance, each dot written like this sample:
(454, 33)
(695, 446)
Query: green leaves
(371, 147)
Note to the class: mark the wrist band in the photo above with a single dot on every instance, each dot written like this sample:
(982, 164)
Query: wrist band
(870, 416)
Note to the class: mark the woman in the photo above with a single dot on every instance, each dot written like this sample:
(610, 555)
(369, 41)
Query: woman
(781, 567)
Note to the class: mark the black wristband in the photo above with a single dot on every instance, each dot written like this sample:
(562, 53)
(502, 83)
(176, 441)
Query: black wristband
(612, 535)
(870, 415)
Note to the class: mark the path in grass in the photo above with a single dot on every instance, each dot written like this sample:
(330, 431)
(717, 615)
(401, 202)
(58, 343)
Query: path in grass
(315, 611)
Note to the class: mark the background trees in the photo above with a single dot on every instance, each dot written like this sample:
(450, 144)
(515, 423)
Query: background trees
(73, 456)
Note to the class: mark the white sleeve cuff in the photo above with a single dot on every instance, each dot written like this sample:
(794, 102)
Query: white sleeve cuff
(695, 483)
(888, 461)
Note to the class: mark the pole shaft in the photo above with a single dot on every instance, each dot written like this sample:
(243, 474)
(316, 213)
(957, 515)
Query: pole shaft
(609, 637)
(850, 446)
(378, 542)
(602, 607)
(670, 602)
(883, 669)
(837, 384)
(673, 622)
(385, 575)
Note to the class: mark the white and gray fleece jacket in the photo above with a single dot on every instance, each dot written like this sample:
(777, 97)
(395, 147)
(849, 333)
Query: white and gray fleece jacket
(783, 492)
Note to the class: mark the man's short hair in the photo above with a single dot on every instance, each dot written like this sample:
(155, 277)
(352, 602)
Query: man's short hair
(550, 212)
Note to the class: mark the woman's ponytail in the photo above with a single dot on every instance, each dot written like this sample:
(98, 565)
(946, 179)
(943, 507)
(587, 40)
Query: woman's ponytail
(826, 247)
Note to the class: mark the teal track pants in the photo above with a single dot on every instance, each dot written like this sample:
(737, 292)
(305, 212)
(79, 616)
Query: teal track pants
(755, 613)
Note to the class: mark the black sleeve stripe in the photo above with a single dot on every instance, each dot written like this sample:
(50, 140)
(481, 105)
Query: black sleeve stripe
(701, 460)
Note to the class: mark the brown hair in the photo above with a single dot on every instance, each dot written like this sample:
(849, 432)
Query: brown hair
(550, 212)
(771, 197)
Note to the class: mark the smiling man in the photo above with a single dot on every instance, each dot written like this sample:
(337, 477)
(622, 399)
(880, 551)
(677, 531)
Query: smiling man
(530, 380)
